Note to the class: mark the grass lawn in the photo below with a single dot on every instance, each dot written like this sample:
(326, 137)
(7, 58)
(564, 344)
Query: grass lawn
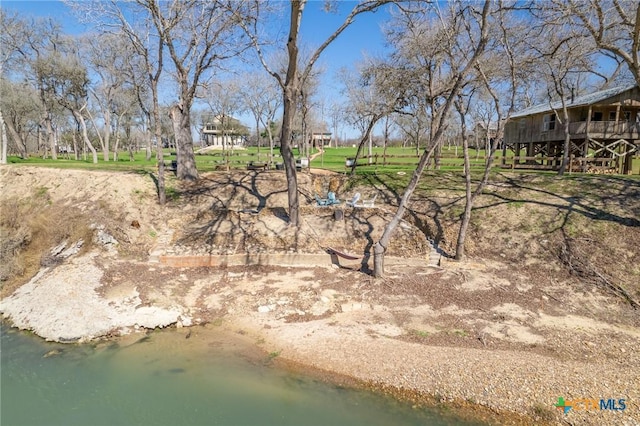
(398, 160)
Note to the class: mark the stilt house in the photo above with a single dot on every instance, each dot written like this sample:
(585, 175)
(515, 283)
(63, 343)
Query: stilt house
(604, 129)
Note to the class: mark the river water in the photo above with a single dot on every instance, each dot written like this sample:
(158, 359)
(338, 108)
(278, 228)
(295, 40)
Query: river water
(165, 378)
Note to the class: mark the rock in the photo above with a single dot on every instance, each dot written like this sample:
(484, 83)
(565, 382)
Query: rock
(184, 322)
(61, 251)
(53, 352)
(74, 249)
(320, 308)
(58, 249)
(265, 308)
(104, 238)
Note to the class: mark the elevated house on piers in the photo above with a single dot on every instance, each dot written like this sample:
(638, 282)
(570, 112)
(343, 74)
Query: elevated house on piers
(604, 130)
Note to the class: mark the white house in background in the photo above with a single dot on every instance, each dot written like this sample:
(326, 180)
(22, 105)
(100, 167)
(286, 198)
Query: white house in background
(224, 132)
(321, 139)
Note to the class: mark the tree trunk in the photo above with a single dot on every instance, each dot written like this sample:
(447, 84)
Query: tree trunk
(85, 135)
(378, 260)
(162, 194)
(258, 136)
(4, 141)
(466, 216)
(20, 143)
(567, 142)
(471, 197)
(50, 138)
(157, 132)
(366, 137)
(148, 148)
(270, 145)
(75, 146)
(288, 158)
(107, 136)
(116, 147)
(291, 91)
(438, 157)
(39, 138)
(381, 246)
(184, 143)
(101, 139)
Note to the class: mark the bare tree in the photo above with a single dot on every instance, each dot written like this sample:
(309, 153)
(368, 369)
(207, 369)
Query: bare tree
(499, 76)
(16, 100)
(373, 94)
(139, 72)
(296, 74)
(19, 108)
(107, 55)
(614, 26)
(463, 30)
(148, 61)
(563, 61)
(263, 99)
(223, 98)
(413, 125)
(123, 105)
(11, 40)
(306, 105)
(563, 69)
(483, 113)
(198, 35)
(25, 44)
(336, 115)
(63, 78)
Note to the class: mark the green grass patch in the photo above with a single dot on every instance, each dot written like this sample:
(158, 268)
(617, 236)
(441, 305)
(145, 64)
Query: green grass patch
(419, 333)
(41, 191)
(273, 355)
(398, 161)
(515, 204)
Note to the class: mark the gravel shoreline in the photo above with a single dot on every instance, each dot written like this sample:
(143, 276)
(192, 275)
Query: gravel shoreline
(505, 382)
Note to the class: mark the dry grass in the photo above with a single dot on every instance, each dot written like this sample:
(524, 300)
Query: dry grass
(526, 220)
(30, 227)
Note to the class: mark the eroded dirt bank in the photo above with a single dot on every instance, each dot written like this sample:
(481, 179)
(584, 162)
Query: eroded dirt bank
(506, 335)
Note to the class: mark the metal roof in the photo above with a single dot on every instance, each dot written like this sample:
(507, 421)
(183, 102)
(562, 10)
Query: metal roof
(578, 101)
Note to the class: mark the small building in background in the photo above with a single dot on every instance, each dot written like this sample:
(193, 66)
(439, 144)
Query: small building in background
(321, 139)
(483, 135)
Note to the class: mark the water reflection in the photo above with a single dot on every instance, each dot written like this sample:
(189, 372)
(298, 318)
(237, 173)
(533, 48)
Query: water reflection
(164, 378)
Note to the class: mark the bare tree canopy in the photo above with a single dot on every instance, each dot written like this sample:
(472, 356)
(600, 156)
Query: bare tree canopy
(613, 25)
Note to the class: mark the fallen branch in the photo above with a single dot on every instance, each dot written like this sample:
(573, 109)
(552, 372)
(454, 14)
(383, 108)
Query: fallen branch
(579, 264)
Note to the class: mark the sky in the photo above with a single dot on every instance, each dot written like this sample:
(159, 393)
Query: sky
(363, 38)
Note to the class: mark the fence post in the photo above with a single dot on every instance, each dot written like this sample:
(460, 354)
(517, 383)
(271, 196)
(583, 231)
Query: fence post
(570, 163)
